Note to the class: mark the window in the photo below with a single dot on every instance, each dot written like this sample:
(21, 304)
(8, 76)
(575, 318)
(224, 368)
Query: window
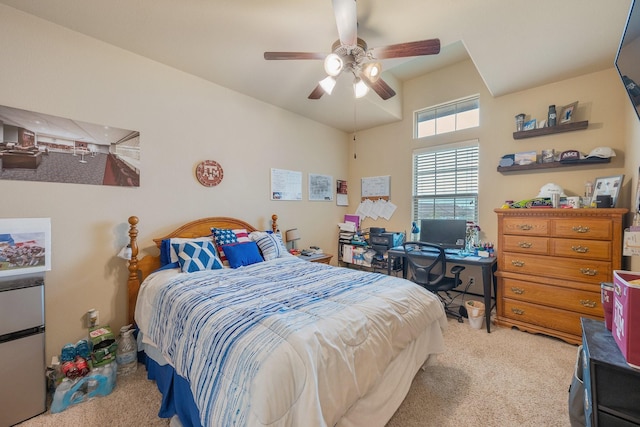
(445, 182)
(449, 117)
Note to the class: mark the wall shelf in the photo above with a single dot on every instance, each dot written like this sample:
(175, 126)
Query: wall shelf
(535, 166)
(567, 127)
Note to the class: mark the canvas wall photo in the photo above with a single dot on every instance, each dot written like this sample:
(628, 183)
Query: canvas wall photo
(40, 147)
(25, 245)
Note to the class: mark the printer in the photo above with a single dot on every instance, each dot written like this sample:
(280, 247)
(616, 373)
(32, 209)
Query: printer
(381, 240)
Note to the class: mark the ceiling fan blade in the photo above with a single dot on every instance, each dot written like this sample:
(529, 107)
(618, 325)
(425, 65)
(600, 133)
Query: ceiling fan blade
(316, 93)
(402, 50)
(380, 87)
(294, 55)
(347, 21)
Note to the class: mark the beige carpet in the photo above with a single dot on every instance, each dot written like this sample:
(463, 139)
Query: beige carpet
(505, 378)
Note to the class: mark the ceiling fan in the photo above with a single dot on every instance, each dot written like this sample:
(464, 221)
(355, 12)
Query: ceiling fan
(351, 54)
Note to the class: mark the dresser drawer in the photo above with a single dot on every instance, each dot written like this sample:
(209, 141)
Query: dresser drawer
(546, 317)
(573, 248)
(526, 226)
(582, 228)
(582, 270)
(564, 298)
(526, 244)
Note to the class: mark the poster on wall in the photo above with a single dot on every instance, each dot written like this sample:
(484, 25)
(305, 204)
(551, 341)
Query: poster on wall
(342, 198)
(25, 245)
(286, 185)
(320, 187)
(40, 147)
(376, 187)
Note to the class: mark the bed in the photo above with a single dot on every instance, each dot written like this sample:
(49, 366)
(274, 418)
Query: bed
(274, 341)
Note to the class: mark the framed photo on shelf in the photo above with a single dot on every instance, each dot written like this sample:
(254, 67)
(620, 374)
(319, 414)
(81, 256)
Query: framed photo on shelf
(567, 111)
(531, 124)
(608, 186)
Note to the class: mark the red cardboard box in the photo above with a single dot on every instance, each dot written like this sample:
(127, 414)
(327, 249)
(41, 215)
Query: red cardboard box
(626, 315)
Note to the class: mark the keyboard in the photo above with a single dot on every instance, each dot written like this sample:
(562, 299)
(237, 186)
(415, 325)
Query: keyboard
(452, 251)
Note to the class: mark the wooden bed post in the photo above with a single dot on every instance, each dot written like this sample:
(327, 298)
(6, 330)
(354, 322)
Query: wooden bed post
(133, 267)
(274, 222)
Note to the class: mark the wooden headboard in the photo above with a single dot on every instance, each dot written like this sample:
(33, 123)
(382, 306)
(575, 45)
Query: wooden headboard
(139, 269)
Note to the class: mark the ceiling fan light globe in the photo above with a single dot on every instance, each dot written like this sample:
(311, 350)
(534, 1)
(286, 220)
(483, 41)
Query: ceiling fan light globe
(360, 88)
(333, 64)
(327, 84)
(372, 71)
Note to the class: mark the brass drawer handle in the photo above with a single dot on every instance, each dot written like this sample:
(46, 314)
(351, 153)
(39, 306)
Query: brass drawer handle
(517, 263)
(518, 291)
(525, 227)
(587, 303)
(525, 245)
(588, 271)
(580, 229)
(580, 249)
(518, 311)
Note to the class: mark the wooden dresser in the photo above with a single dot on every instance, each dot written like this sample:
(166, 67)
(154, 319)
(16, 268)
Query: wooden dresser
(551, 263)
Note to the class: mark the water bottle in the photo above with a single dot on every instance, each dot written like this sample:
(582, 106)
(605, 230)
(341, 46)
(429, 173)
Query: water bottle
(127, 352)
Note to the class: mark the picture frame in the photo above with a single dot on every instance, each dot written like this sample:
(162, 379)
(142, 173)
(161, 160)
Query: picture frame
(608, 185)
(530, 125)
(25, 245)
(567, 112)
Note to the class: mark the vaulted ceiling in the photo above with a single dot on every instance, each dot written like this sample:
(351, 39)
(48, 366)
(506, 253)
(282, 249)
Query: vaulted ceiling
(514, 44)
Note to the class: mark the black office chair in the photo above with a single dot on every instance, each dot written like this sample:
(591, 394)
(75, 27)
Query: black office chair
(430, 272)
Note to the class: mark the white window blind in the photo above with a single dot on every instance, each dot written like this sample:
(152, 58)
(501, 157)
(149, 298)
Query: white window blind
(445, 183)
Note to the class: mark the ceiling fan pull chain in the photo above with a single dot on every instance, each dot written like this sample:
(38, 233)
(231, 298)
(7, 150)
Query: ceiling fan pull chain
(355, 129)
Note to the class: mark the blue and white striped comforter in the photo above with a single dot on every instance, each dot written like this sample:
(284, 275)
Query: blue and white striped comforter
(284, 342)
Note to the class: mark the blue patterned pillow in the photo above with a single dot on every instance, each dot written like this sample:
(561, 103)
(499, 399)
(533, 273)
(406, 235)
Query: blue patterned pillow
(240, 254)
(223, 236)
(270, 244)
(168, 255)
(197, 256)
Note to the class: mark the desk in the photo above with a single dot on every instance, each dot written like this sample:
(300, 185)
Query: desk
(488, 266)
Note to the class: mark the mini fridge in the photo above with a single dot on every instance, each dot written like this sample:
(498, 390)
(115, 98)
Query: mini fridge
(23, 386)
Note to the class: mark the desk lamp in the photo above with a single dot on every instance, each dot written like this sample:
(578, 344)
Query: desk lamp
(293, 235)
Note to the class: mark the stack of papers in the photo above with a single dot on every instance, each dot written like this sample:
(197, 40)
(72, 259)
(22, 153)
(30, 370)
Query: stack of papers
(347, 226)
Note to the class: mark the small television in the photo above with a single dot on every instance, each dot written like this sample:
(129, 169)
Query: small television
(627, 60)
(448, 233)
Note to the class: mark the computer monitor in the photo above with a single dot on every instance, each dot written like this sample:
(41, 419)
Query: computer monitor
(448, 233)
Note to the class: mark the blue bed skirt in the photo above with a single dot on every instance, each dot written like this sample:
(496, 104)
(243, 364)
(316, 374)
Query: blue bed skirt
(176, 394)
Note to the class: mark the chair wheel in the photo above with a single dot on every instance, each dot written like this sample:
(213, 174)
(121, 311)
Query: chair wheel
(460, 320)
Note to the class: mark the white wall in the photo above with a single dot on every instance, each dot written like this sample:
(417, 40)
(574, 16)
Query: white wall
(182, 120)
(602, 101)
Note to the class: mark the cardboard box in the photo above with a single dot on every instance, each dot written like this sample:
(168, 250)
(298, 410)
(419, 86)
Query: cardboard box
(626, 315)
(103, 345)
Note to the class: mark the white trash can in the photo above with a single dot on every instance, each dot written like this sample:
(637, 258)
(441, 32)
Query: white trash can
(475, 312)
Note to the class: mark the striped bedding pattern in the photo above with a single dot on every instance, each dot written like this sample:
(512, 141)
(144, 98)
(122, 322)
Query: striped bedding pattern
(282, 342)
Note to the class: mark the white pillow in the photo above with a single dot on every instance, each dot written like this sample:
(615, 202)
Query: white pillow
(270, 244)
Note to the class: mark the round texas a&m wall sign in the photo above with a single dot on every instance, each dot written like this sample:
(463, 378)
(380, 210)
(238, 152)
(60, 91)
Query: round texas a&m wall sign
(209, 173)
